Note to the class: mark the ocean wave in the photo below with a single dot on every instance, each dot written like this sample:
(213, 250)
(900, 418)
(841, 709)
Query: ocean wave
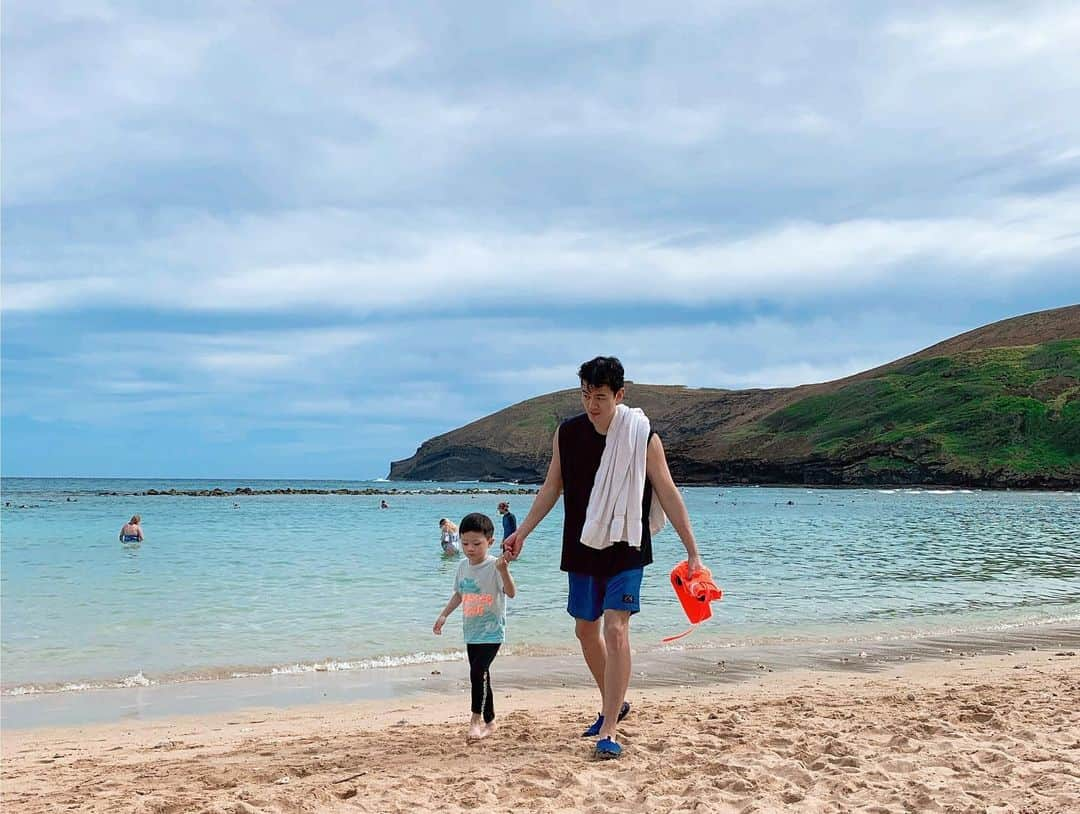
(140, 679)
(379, 663)
(137, 680)
(938, 491)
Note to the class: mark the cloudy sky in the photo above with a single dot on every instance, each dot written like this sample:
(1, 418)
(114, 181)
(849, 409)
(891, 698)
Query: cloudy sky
(273, 239)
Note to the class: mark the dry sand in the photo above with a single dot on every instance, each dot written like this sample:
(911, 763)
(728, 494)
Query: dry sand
(992, 733)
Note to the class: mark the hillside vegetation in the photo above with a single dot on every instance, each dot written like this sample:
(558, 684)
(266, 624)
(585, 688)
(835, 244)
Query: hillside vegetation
(1002, 413)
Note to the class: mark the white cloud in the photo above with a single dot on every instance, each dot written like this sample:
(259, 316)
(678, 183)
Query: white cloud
(1064, 156)
(993, 39)
(326, 215)
(221, 361)
(343, 374)
(127, 387)
(310, 261)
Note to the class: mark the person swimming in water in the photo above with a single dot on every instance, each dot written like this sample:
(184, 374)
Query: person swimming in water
(131, 532)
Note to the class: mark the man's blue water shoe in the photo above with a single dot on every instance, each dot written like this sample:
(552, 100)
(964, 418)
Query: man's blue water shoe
(606, 749)
(594, 730)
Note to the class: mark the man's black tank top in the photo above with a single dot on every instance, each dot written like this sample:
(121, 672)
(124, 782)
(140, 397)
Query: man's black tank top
(580, 448)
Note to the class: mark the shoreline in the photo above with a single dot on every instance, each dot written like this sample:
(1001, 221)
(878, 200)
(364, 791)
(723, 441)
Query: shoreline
(682, 664)
(564, 648)
(995, 732)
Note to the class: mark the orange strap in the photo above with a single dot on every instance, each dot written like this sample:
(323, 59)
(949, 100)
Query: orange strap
(677, 636)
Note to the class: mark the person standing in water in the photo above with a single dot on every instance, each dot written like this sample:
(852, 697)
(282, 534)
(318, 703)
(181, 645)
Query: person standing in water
(610, 515)
(449, 538)
(509, 522)
(131, 531)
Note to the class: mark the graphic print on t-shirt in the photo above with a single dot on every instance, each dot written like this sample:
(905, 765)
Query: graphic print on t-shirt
(483, 603)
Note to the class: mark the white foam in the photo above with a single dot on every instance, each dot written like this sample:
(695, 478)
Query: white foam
(381, 662)
(78, 687)
(939, 491)
(137, 680)
(328, 666)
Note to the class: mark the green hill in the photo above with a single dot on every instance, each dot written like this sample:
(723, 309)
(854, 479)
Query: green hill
(1002, 413)
(995, 407)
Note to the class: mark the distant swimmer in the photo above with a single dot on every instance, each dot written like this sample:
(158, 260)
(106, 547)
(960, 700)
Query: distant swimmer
(449, 538)
(132, 531)
(383, 504)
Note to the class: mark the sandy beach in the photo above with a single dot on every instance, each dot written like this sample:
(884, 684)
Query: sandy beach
(989, 733)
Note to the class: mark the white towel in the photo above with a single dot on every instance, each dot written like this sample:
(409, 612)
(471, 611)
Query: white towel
(614, 512)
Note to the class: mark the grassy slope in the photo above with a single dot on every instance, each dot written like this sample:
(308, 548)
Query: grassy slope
(1015, 409)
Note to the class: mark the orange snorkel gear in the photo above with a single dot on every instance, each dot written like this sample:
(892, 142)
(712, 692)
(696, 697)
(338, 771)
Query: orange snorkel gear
(695, 592)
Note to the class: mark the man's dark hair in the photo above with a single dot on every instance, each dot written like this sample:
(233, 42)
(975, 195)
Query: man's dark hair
(602, 370)
(477, 522)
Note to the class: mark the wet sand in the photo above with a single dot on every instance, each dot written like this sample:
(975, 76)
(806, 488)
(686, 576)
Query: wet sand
(885, 730)
(684, 665)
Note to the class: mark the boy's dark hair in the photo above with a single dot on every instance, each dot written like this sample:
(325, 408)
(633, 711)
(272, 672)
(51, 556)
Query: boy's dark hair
(602, 370)
(477, 522)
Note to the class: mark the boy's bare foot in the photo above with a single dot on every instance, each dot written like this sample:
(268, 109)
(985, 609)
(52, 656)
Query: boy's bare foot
(489, 729)
(477, 731)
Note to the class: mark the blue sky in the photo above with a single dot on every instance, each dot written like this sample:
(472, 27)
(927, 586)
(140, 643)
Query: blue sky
(296, 240)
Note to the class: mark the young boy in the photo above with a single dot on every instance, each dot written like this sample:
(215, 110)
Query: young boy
(482, 584)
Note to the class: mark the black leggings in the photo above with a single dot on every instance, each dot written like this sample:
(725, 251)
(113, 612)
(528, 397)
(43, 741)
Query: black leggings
(480, 658)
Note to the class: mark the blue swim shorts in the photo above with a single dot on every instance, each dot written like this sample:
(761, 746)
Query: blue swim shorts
(590, 596)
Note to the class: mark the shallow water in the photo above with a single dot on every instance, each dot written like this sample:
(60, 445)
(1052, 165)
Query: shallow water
(305, 582)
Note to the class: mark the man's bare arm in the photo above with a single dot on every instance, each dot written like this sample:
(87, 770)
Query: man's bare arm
(656, 469)
(543, 503)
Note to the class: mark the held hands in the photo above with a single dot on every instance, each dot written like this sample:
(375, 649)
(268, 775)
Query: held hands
(437, 628)
(502, 564)
(511, 546)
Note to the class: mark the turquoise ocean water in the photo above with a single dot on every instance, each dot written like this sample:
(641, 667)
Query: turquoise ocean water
(293, 583)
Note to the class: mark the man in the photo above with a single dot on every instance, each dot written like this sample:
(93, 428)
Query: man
(509, 522)
(604, 582)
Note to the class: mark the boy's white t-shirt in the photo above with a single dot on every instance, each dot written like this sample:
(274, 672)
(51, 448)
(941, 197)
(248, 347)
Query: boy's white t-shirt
(483, 601)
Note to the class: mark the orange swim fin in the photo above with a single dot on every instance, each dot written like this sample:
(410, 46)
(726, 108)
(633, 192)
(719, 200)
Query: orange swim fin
(695, 592)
